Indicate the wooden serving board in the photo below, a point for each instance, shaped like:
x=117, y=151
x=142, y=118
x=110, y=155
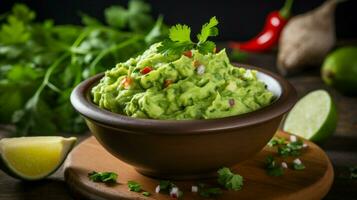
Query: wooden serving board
x=311, y=183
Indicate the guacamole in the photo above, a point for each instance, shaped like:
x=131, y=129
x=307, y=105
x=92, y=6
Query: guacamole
x=188, y=86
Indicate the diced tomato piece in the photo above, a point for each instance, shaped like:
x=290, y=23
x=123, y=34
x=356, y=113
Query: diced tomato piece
x=126, y=82
x=146, y=70
x=167, y=83
x=188, y=54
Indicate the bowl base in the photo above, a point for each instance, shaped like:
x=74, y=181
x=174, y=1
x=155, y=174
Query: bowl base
x=170, y=176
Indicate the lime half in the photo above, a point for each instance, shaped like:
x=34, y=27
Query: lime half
x=33, y=158
x=314, y=117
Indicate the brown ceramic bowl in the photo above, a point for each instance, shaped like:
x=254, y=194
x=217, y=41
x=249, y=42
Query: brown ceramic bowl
x=185, y=149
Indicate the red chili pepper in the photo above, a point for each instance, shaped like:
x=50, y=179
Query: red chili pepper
x=270, y=34
x=146, y=70
x=188, y=54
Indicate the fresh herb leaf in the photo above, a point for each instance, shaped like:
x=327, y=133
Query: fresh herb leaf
x=180, y=33
x=208, y=29
x=134, y=186
x=105, y=177
x=180, y=39
x=136, y=17
x=298, y=166
x=209, y=192
x=229, y=180
x=145, y=193
x=166, y=186
x=273, y=169
x=276, y=141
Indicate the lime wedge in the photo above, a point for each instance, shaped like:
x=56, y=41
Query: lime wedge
x=314, y=117
x=33, y=158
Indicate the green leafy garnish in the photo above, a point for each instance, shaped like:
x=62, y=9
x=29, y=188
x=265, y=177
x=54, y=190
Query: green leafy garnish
x=166, y=186
x=229, y=180
x=41, y=63
x=272, y=168
x=299, y=166
x=209, y=192
x=276, y=141
x=180, y=39
x=285, y=148
x=145, y=193
x=105, y=177
x=134, y=186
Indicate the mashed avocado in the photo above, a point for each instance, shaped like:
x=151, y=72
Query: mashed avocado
x=190, y=86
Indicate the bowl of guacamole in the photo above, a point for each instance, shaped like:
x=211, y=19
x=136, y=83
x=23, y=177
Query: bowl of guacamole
x=183, y=114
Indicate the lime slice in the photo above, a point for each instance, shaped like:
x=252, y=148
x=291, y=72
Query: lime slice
x=314, y=117
x=33, y=158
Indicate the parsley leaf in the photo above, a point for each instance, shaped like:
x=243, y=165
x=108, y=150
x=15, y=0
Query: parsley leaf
x=134, y=186
x=229, y=180
x=105, y=177
x=208, y=29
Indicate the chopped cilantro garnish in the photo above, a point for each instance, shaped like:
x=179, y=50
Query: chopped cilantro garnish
x=105, y=177
x=272, y=168
x=276, y=141
x=286, y=148
x=180, y=39
x=298, y=166
x=134, y=186
x=145, y=193
x=208, y=192
x=166, y=186
x=229, y=180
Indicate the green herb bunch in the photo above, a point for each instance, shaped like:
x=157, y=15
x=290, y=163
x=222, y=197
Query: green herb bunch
x=40, y=62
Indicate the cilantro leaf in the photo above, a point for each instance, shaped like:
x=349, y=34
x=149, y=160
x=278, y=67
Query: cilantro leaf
x=180, y=39
x=136, y=17
x=272, y=168
x=298, y=166
x=134, y=186
x=145, y=193
x=206, y=47
x=208, y=29
x=116, y=16
x=180, y=33
x=105, y=177
x=166, y=186
x=14, y=32
x=229, y=180
x=209, y=192
x=23, y=13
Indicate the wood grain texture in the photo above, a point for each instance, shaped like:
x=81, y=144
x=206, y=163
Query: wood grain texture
x=312, y=183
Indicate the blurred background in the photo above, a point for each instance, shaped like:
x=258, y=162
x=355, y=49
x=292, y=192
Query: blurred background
x=239, y=19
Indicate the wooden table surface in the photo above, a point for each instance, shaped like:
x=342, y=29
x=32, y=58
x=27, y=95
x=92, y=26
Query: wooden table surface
x=341, y=148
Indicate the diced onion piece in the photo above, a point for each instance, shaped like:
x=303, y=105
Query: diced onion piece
x=194, y=188
x=201, y=69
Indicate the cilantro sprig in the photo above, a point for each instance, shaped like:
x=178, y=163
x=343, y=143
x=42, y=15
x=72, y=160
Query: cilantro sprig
x=229, y=180
x=104, y=177
x=180, y=39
